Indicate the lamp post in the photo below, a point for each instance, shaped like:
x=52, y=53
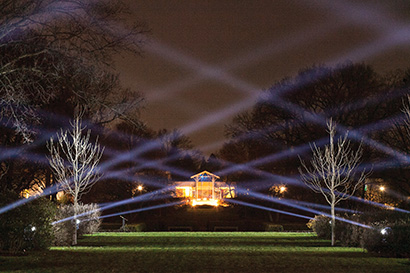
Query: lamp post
x=282, y=189
x=138, y=190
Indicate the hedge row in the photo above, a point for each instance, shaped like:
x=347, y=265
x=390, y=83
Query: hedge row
x=385, y=234
x=30, y=226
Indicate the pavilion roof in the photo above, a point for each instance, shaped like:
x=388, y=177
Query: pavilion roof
x=205, y=172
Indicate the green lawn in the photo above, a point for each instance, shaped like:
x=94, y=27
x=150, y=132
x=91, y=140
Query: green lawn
x=202, y=252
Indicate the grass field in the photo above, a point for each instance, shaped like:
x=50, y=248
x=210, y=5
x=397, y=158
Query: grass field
x=202, y=252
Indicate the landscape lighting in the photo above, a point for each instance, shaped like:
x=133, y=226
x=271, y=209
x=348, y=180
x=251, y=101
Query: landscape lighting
x=210, y=202
x=385, y=231
x=282, y=189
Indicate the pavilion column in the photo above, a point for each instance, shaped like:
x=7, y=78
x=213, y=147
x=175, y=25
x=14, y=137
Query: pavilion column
x=196, y=189
x=213, y=188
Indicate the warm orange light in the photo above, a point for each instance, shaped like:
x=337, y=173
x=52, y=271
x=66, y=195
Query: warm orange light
x=60, y=195
x=183, y=192
x=140, y=188
x=227, y=192
x=382, y=188
x=210, y=202
x=387, y=206
x=25, y=193
x=282, y=189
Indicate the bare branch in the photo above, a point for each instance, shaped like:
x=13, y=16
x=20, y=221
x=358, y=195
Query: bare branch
x=406, y=111
x=35, y=35
x=333, y=170
x=74, y=160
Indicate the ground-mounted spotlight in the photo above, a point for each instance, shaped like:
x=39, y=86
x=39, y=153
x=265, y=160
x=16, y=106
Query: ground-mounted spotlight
x=29, y=232
x=385, y=231
x=77, y=223
x=30, y=229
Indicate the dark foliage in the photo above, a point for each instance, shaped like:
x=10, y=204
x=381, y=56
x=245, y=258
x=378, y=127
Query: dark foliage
x=387, y=232
x=26, y=227
x=292, y=114
x=321, y=226
x=89, y=222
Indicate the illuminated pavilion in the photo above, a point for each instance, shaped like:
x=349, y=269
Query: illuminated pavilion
x=204, y=189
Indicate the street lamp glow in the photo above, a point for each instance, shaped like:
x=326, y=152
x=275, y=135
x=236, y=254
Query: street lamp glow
x=382, y=188
x=282, y=189
x=140, y=188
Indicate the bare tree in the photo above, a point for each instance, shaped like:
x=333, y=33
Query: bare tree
x=3, y=169
x=74, y=160
x=280, y=122
x=333, y=171
x=406, y=110
x=36, y=34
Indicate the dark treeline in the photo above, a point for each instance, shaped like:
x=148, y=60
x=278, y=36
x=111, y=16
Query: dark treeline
x=293, y=112
x=56, y=62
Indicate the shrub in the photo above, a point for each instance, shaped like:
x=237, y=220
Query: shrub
x=321, y=225
x=394, y=243
x=350, y=234
x=63, y=231
x=136, y=227
x=27, y=226
x=89, y=222
x=295, y=227
x=273, y=227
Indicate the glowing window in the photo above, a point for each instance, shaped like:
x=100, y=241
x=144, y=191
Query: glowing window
x=205, y=190
x=227, y=192
x=204, y=177
x=183, y=192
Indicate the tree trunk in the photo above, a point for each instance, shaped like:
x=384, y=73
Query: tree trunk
x=333, y=223
x=53, y=196
x=75, y=222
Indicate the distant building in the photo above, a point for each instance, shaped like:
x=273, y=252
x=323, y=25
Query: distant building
x=204, y=189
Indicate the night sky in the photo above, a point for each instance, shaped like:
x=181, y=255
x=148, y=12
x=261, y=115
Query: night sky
x=206, y=61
